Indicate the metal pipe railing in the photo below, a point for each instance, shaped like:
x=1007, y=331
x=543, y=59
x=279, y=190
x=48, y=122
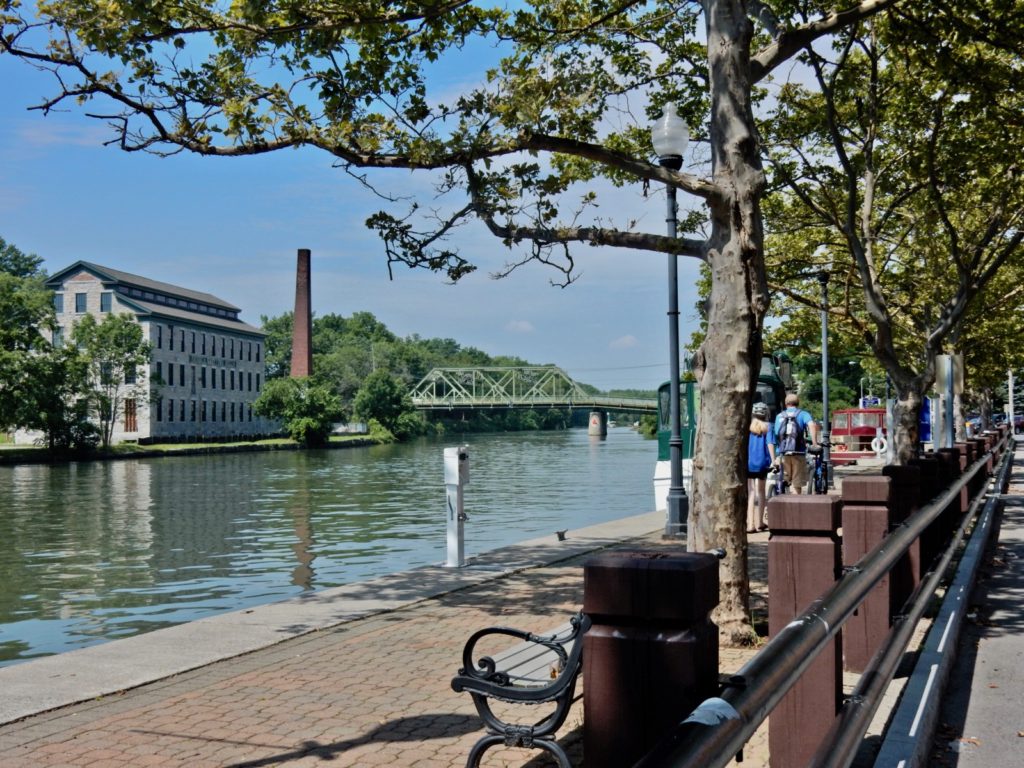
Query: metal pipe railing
x=839, y=747
x=718, y=728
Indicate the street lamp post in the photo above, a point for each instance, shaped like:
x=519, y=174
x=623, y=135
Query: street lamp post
x=826, y=455
x=670, y=137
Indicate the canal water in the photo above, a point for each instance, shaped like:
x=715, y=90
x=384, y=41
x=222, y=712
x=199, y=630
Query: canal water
x=95, y=551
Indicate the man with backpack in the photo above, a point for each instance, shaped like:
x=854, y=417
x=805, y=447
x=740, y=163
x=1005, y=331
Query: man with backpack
x=791, y=428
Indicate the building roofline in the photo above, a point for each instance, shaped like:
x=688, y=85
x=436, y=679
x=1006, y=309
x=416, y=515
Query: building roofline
x=187, y=316
x=117, y=276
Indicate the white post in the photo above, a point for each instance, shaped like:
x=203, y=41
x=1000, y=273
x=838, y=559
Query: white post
x=456, y=476
x=1012, y=430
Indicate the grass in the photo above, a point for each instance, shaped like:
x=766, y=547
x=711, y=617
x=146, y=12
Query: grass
x=34, y=452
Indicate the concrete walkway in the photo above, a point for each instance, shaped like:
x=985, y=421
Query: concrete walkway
x=982, y=723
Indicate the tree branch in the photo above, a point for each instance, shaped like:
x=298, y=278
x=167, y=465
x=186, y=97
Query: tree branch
x=792, y=40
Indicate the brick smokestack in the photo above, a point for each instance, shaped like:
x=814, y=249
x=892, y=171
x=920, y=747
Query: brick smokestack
x=302, y=326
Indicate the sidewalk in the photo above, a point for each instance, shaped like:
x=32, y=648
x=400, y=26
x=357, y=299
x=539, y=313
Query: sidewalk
x=981, y=722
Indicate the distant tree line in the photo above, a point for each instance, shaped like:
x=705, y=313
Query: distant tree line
x=73, y=390
x=364, y=372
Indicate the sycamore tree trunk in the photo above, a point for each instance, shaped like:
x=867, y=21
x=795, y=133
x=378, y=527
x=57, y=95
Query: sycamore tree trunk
x=959, y=418
x=906, y=414
x=738, y=302
x=985, y=408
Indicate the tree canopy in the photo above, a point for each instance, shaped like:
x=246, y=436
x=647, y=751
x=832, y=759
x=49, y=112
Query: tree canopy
x=115, y=352
x=898, y=174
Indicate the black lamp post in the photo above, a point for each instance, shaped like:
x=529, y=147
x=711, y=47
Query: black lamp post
x=670, y=137
x=826, y=454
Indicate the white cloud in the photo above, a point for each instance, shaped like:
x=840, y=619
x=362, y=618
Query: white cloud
x=623, y=342
x=519, y=326
x=63, y=132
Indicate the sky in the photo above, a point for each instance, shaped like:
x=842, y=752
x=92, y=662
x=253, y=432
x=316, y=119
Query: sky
x=232, y=226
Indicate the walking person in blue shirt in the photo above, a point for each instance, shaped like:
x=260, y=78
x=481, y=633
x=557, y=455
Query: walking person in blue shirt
x=760, y=457
x=791, y=428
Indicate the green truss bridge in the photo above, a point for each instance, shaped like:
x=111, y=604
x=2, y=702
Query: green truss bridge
x=530, y=387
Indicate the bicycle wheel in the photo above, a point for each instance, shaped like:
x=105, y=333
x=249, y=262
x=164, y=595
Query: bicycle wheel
x=820, y=483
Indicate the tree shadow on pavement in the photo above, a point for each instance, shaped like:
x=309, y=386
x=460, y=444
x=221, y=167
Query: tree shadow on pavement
x=411, y=729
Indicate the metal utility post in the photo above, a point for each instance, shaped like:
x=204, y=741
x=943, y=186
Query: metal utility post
x=670, y=137
x=1010, y=392
x=456, y=476
x=949, y=430
x=826, y=453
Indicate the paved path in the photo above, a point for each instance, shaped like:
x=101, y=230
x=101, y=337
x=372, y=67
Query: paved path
x=982, y=720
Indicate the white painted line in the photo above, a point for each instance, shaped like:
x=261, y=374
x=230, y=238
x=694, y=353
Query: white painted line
x=945, y=633
x=924, y=700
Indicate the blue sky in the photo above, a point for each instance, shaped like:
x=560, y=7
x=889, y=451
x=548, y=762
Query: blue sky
x=231, y=227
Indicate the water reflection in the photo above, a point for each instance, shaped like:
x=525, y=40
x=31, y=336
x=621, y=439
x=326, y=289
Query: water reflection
x=299, y=509
x=94, y=551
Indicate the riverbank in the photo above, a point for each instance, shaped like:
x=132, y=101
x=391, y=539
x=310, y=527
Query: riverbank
x=19, y=454
x=92, y=673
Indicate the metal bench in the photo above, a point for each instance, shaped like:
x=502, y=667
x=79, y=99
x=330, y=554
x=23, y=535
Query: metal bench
x=541, y=669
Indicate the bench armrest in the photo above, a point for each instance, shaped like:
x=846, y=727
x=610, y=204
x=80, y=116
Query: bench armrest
x=483, y=677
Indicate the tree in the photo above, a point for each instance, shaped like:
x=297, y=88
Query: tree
x=525, y=148
x=14, y=261
x=901, y=178
x=26, y=311
x=383, y=398
x=278, y=344
x=307, y=410
x=114, y=351
x=56, y=401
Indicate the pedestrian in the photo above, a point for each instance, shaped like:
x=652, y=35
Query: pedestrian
x=791, y=428
x=760, y=458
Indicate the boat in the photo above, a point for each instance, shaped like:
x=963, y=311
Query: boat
x=857, y=432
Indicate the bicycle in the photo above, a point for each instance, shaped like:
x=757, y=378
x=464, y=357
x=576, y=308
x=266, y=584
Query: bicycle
x=778, y=484
x=817, y=482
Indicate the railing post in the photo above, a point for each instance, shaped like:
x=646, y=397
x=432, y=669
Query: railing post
x=803, y=562
x=867, y=516
x=930, y=485
x=651, y=654
x=906, y=493
x=980, y=447
x=990, y=440
x=958, y=506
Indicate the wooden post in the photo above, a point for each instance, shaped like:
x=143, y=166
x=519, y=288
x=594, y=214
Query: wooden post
x=906, y=491
x=803, y=561
x=651, y=654
x=867, y=517
x=930, y=485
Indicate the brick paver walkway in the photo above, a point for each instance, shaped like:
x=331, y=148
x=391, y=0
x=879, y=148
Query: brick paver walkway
x=371, y=692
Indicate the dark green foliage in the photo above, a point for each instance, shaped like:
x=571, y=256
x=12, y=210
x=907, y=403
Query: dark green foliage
x=307, y=409
x=371, y=371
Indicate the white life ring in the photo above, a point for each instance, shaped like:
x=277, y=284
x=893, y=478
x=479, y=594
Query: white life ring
x=878, y=445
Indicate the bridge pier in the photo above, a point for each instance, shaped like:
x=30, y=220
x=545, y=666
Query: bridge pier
x=597, y=425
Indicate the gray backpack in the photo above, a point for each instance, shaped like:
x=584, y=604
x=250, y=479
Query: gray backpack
x=791, y=436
